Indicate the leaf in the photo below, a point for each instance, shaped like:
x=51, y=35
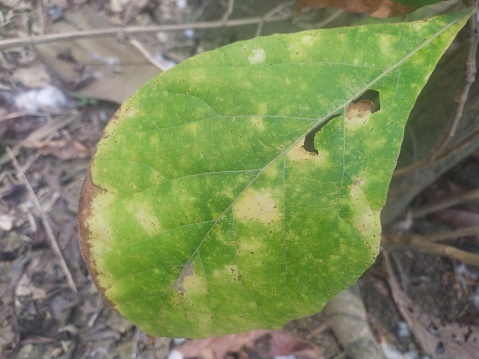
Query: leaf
x=280, y=344
x=376, y=8
x=418, y=3
x=283, y=344
x=203, y=214
x=218, y=347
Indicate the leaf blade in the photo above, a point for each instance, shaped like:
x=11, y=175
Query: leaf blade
x=217, y=220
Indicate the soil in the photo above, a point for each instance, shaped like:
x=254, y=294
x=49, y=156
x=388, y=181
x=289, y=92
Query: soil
x=53, y=109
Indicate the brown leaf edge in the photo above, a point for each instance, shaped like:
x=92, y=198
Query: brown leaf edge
x=88, y=192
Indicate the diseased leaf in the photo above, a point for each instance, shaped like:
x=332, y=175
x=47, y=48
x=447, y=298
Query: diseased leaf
x=235, y=192
x=376, y=8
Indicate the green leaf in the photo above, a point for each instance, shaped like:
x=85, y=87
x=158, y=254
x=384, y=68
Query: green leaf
x=203, y=215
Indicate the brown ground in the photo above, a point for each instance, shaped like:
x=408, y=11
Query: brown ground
x=49, y=306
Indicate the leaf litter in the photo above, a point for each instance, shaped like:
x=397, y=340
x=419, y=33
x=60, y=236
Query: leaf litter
x=279, y=342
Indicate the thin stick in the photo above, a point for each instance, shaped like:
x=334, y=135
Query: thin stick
x=111, y=32
x=146, y=54
x=418, y=244
x=435, y=237
x=425, y=339
x=44, y=219
x=445, y=203
x=473, y=136
x=228, y=12
x=335, y=14
x=269, y=15
x=457, y=233
x=41, y=20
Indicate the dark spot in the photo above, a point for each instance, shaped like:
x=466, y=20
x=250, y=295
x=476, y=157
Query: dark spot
x=432, y=328
x=468, y=334
x=439, y=348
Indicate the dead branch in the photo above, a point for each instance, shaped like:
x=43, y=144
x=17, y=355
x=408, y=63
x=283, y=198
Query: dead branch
x=427, y=245
x=44, y=219
x=132, y=30
x=445, y=203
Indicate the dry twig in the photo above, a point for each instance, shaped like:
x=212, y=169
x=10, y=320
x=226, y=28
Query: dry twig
x=427, y=341
x=473, y=136
x=44, y=219
x=269, y=15
x=228, y=12
x=445, y=203
x=426, y=244
x=124, y=31
x=135, y=43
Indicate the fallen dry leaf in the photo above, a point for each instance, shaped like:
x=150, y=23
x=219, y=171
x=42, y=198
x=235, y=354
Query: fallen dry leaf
x=217, y=347
x=376, y=8
x=63, y=149
x=280, y=343
x=283, y=344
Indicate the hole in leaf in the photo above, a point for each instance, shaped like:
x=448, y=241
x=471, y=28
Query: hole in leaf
x=369, y=100
x=371, y=96
x=309, y=138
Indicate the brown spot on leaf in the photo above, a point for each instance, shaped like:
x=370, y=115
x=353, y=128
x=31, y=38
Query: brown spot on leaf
x=88, y=192
x=188, y=271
